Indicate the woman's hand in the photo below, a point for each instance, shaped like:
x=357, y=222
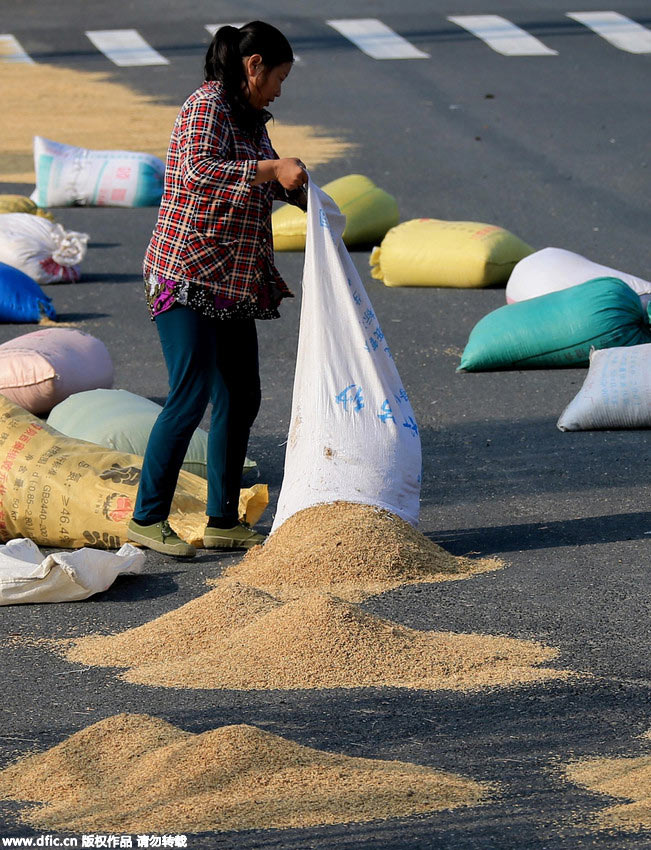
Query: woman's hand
x=290, y=173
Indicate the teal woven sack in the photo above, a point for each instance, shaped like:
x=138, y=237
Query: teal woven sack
x=558, y=329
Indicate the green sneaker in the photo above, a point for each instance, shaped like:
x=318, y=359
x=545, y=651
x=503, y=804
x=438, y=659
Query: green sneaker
x=160, y=538
x=240, y=536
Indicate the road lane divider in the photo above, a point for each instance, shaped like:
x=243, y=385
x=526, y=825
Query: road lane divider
x=376, y=39
x=11, y=50
x=502, y=35
x=125, y=47
x=616, y=29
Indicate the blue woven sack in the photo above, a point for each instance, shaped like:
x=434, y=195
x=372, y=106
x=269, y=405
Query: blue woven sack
x=21, y=298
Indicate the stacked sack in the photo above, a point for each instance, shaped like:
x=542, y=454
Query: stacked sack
x=41, y=248
x=565, y=310
x=40, y=369
x=553, y=269
x=558, y=329
x=34, y=250
x=120, y=420
x=62, y=492
x=33, y=244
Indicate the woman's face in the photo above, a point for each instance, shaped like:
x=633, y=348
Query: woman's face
x=264, y=85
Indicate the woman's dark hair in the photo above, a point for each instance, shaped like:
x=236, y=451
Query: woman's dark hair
x=224, y=64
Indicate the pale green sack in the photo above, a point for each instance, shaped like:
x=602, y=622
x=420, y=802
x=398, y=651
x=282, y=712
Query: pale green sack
x=120, y=420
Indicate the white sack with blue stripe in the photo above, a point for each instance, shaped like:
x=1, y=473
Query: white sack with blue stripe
x=353, y=435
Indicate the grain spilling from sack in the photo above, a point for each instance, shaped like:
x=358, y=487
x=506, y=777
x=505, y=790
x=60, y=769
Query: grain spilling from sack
x=618, y=777
x=139, y=774
x=317, y=641
x=351, y=550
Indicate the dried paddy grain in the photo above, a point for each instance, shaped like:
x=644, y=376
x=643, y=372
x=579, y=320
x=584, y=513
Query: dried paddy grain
x=91, y=110
x=618, y=777
x=316, y=641
x=351, y=550
x=192, y=629
x=139, y=774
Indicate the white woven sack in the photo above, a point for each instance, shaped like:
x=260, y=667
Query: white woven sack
x=27, y=577
x=616, y=392
x=353, y=435
x=553, y=269
x=40, y=248
x=71, y=176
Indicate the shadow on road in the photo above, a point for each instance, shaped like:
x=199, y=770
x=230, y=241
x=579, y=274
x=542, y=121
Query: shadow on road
x=544, y=535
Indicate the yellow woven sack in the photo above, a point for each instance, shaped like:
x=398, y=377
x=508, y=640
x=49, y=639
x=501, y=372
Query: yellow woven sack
x=369, y=212
x=67, y=493
x=21, y=204
x=433, y=252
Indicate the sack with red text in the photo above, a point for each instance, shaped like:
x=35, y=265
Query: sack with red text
x=62, y=492
x=71, y=176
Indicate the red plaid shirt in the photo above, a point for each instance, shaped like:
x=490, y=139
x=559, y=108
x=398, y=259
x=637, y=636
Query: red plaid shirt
x=214, y=225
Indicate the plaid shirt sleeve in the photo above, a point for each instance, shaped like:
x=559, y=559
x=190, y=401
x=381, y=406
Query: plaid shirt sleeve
x=202, y=152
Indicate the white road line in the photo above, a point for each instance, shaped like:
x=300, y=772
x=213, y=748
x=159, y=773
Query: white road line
x=617, y=29
x=12, y=51
x=212, y=28
x=376, y=39
x=125, y=47
x=502, y=36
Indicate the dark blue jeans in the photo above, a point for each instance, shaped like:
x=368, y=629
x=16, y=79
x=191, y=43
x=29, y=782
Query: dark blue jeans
x=207, y=360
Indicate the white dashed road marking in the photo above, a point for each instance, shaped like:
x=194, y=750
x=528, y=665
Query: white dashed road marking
x=376, y=39
x=617, y=29
x=125, y=47
x=502, y=36
x=11, y=50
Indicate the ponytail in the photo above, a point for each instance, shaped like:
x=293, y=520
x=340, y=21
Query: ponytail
x=224, y=64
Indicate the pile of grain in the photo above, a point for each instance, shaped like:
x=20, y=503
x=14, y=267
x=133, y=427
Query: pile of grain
x=351, y=550
x=618, y=777
x=186, y=631
x=138, y=774
x=316, y=641
x=103, y=114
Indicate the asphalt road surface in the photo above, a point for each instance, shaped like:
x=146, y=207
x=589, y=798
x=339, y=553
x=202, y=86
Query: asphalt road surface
x=553, y=146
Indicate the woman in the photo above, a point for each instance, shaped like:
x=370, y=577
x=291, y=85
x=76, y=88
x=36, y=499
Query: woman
x=209, y=274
